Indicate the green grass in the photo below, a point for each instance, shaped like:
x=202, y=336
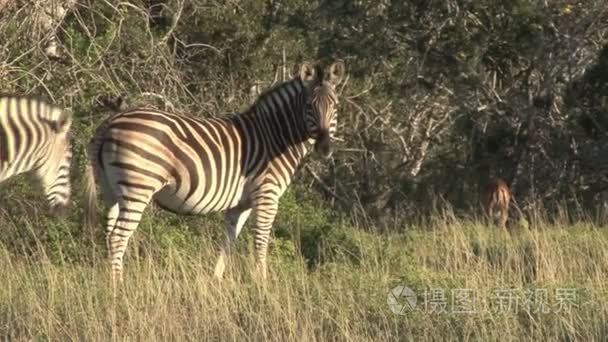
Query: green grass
x=169, y=293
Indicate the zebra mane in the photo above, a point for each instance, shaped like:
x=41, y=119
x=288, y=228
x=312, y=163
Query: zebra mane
x=56, y=117
x=60, y=123
x=326, y=90
x=263, y=97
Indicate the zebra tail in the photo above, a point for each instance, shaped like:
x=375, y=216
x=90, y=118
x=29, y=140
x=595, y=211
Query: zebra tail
x=90, y=208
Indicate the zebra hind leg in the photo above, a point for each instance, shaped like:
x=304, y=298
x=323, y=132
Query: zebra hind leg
x=234, y=220
x=111, y=218
x=128, y=212
x=504, y=215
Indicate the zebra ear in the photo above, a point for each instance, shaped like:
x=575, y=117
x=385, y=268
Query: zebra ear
x=307, y=72
x=335, y=73
x=63, y=123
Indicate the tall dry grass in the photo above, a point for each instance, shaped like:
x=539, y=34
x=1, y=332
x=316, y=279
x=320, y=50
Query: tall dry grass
x=169, y=293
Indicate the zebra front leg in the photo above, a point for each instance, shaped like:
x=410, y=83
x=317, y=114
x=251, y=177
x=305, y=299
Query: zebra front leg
x=56, y=187
x=265, y=213
x=234, y=220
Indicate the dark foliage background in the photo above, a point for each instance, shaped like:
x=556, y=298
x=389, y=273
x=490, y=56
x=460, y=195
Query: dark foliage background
x=440, y=95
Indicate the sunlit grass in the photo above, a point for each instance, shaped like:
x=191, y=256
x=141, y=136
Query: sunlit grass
x=169, y=293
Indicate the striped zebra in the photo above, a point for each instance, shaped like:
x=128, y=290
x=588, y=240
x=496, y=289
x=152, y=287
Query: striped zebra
x=238, y=163
x=35, y=137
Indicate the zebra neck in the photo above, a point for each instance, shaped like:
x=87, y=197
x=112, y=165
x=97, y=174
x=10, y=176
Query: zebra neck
x=278, y=116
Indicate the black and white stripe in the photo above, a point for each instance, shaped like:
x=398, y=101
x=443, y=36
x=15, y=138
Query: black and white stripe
x=236, y=163
x=35, y=137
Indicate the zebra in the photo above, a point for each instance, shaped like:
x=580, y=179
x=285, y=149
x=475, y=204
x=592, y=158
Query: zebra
x=35, y=137
x=236, y=163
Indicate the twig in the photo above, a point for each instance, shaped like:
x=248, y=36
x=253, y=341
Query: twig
x=174, y=23
x=167, y=103
x=325, y=186
x=343, y=85
x=358, y=150
x=365, y=91
x=284, y=65
x=219, y=52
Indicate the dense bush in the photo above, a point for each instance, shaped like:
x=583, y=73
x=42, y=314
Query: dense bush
x=439, y=95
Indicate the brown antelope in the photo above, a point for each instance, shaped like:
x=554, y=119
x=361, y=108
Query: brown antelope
x=495, y=199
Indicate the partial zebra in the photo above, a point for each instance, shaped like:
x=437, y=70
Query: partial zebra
x=35, y=137
x=238, y=163
x=495, y=199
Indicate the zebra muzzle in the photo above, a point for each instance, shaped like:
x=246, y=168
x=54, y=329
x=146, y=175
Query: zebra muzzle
x=323, y=144
x=58, y=210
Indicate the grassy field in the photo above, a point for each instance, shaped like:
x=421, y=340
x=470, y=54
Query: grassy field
x=470, y=282
x=331, y=277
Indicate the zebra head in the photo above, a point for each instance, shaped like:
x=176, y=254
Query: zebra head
x=321, y=108
x=55, y=170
